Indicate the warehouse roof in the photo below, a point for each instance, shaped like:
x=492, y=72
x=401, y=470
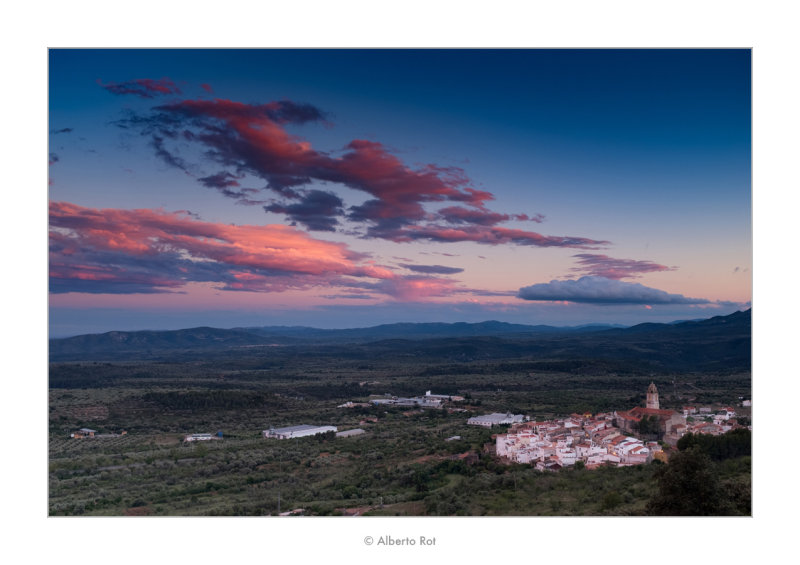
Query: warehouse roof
x=292, y=429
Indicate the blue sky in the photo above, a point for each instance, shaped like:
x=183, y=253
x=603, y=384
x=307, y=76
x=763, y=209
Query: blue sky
x=502, y=169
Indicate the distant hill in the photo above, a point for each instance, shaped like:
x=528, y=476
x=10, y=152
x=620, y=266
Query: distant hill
x=721, y=343
x=113, y=344
x=727, y=324
x=418, y=331
x=150, y=342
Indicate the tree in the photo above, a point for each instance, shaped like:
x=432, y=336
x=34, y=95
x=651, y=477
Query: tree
x=649, y=426
x=688, y=486
x=735, y=443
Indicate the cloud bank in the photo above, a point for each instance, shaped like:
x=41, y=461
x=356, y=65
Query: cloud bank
x=601, y=290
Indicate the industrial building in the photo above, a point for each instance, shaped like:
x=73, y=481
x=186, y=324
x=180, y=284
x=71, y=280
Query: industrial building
x=496, y=419
x=297, y=431
x=350, y=433
x=201, y=437
x=83, y=432
x=415, y=402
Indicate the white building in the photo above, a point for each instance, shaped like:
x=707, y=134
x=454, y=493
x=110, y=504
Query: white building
x=199, y=437
x=349, y=433
x=566, y=456
x=417, y=401
x=448, y=397
x=496, y=419
x=297, y=431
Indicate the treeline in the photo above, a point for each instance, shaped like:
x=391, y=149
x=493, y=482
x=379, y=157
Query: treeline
x=735, y=443
x=582, y=366
x=709, y=476
x=211, y=399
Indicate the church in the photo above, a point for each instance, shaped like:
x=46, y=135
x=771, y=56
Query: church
x=665, y=424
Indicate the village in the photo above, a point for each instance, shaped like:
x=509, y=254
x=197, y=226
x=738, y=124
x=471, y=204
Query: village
x=619, y=438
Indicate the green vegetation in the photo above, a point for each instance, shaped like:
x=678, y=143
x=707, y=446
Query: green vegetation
x=402, y=465
x=736, y=443
x=691, y=484
x=709, y=476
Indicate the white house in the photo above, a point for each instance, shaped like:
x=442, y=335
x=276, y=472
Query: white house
x=566, y=456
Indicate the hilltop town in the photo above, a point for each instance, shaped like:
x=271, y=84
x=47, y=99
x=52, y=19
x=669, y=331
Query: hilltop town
x=620, y=438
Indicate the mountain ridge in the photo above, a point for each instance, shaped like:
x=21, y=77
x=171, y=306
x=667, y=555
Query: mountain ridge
x=457, y=340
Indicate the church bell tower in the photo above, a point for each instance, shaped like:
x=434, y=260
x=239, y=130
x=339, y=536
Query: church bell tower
x=652, y=396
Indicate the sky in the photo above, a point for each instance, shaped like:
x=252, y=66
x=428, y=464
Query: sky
x=349, y=188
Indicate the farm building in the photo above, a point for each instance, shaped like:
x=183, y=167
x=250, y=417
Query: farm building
x=297, y=431
x=417, y=401
x=83, y=432
x=496, y=419
x=199, y=437
x=448, y=397
x=349, y=433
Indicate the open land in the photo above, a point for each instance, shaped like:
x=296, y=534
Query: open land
x=406, y=462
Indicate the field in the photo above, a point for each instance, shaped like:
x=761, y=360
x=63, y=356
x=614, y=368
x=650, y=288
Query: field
x=402, y=465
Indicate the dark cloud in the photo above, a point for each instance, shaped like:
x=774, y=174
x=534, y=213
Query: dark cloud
x=166, y=155
x=481, y=216
x=52, y=159
x=62, y=130
x=732, y=304
x=238, y=115
x=433, y=269
x=489, y=236
x=220, y=181
x=600, y=290
x=144, y=87
x=228, y=185
x=317, y=210
x=610, y=268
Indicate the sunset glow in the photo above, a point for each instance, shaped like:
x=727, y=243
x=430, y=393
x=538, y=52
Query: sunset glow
x=338, y=188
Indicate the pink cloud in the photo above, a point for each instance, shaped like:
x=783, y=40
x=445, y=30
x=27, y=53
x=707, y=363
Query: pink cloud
x=157, y=249
x=252, y=139
x=113, y=251
x=416, y=288
x=611, y=268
